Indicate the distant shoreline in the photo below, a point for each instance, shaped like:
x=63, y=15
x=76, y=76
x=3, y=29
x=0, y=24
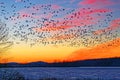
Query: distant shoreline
x=106, y=62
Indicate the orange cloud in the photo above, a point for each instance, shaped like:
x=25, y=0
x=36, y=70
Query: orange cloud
x=105, y=50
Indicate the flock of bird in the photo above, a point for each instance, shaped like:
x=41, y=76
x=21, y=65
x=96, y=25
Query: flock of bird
x=48, y=24
x=3, y=32
x=4, y=42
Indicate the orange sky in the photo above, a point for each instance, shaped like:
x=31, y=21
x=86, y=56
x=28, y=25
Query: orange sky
x=23, y=53
x=82, y=29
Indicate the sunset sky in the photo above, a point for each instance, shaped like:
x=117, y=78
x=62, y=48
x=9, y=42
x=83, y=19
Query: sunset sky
x=61, y=30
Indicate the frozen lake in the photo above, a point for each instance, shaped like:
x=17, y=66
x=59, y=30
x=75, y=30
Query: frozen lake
x=68, y=73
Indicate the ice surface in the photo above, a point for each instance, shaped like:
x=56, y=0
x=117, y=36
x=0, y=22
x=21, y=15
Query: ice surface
x=36, y=73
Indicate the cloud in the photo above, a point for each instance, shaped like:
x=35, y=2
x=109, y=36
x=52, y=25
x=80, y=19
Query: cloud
x=18, y=0
x=96, y=3
x=113, y=25
x=35, y=12
x=105, y=50
x=51, y=28
x=72, y=1
x=56, y=6
x=63, y=36
x=80, y=17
